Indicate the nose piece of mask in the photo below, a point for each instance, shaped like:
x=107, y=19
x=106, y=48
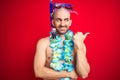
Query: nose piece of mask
x=54, y=33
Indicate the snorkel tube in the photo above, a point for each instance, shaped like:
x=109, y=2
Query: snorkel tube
x=53, y=32
x=51, y=10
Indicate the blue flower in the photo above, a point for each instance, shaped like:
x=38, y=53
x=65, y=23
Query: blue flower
x=65, y=79
x=57, y=39
x=69, y=43
x=69, y=35
x=57, y=66
x=55, y=60
x=67, y=57
x=57, y=54
x=70, y=67
x=56, y=45
x=67, y=49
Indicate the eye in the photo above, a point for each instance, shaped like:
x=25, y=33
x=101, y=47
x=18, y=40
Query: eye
x=66, y=20
x=58, y=20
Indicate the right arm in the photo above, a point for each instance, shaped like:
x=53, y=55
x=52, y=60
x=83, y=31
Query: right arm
x=39, y=64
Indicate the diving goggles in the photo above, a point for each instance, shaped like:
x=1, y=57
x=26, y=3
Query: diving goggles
x=60, y=5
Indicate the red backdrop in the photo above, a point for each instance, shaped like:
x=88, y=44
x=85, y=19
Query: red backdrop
x=24, y=22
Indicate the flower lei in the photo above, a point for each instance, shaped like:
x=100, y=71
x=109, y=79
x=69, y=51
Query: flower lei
x=62, y=55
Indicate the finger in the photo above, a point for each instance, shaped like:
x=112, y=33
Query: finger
x=74, y=36
x=85, y=35
x=76, y=33
x=74, y=40
x=80, y=33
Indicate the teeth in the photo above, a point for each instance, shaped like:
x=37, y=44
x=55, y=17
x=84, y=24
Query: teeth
x=63, y=28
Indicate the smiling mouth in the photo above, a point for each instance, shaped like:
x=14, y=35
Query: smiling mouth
x=63, y=28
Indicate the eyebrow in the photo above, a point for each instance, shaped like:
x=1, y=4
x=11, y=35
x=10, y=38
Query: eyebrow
x=66, y=19
x=61, y=19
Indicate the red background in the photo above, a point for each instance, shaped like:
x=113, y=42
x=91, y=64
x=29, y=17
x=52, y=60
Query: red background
x=24, y=22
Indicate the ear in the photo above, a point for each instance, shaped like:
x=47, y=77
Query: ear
x=70, y=22
x=52, y=22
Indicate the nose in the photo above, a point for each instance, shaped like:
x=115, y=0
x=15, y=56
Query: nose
x=62, y=23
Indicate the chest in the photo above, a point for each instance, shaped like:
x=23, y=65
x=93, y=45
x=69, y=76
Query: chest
x=49, y=56
x=49, y=53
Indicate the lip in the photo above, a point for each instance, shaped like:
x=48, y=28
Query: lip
x=62, y=28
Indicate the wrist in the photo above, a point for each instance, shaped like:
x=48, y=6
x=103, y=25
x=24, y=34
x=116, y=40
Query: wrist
x=79, y=46
x=80, y=50
x=66, y=74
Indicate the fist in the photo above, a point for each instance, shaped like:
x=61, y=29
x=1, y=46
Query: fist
x=79, y=38
x=73, y=75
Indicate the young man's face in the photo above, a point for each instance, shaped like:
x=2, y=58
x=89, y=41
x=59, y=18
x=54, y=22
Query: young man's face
x=61, y=21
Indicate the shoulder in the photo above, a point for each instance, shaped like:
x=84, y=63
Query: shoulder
x=43, y=41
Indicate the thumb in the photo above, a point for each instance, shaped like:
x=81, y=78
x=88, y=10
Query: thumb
x=85, y=35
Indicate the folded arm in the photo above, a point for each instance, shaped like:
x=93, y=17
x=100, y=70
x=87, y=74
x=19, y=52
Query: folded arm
x=40, y=70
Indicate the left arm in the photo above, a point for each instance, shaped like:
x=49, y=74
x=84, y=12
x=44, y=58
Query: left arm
x=82, y=65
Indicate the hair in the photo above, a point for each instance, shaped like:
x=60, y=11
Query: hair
x=53, y=13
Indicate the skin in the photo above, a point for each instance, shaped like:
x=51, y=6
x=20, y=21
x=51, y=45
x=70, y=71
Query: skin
x=43, y=55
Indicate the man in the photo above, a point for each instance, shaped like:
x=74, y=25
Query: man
x=44, y=55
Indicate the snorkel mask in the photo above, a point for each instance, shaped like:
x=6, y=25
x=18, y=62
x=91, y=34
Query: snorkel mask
x=60, y=5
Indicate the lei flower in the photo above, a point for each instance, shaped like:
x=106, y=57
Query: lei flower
x=62, y=55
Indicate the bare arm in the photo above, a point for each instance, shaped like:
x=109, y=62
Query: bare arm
x=82, y=66
x=39, y=64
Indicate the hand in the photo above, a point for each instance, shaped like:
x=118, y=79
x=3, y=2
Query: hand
x=73, y=75
x=79, y=38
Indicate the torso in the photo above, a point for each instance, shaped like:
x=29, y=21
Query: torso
x=49, y=56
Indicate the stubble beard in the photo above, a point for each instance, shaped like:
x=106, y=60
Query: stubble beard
x=61, y=33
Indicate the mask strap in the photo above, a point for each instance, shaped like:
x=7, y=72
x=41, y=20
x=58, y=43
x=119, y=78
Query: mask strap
x=74, y=12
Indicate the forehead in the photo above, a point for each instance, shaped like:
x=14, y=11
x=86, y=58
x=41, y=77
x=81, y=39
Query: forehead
x=62, y=13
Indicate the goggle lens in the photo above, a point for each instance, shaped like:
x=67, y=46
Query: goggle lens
x=58, y=6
